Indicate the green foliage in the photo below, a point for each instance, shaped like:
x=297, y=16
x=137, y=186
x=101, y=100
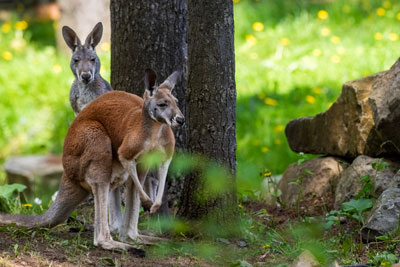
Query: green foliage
x=8, y=201
x=7, y=190
x=384, y=259
x=353, y=209
x=356, y=207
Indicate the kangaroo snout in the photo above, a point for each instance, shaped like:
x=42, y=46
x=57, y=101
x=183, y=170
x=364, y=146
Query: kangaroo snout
x=180, y=120
x=86, y=77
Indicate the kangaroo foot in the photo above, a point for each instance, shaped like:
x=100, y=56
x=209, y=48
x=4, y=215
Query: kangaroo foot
x=112, y=245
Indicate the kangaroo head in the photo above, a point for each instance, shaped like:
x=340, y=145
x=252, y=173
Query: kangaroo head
x=159, y=103
x=85, y=63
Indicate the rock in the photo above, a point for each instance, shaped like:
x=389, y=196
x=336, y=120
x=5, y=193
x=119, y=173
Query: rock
x=242, y=244
x=34, y=170
x=342, y=130
x=362, y=121
x=384, y=101
x=305, y=259
x=314, y=180
x=384, y=216
x=349, y=183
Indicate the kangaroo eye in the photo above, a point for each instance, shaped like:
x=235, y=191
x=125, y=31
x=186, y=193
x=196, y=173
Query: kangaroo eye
x=162, y=104
x=76, y=60
x=93, y=59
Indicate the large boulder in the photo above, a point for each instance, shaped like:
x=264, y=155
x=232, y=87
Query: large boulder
x=385, y=102
x=349, y=184
x=362, y=121
x=311, y=183
x=384, y=216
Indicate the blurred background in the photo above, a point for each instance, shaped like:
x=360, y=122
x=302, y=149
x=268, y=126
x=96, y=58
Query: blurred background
x=292, y=58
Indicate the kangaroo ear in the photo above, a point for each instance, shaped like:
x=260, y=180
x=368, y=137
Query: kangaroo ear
x=170, y=82
x=71, y=38
x=94, y=37
x=150, y=82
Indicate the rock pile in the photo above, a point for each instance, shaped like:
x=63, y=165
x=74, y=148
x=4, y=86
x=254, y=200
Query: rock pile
x=359, y=131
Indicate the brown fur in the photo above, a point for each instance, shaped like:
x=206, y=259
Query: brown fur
x=97, y=136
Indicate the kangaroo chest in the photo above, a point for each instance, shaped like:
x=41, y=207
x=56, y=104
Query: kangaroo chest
x=85, y=96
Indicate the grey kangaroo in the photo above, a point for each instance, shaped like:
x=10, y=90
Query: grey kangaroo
x=85, y=65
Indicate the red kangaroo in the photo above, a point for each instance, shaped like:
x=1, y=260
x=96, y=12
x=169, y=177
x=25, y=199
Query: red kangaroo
x=102, y=151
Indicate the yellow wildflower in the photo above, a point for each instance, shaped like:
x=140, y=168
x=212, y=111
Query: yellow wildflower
x=278, y=142
x=27, y=205
x=317, y=90
x=322, y=14
x=316, y=52
x=7, y=55
x=240, y=206
x=381, y=12
x=266, y=246
x=105, y=46
x=325, y=31
x=21, y=25
x=378, y=36
x=5, y=28
x=258, y=26
x=335, y=39
x=267, y=173
x=285, y=41
x=310, y=99
x=264, y=149
x=270, y=101
x=250, y=39
x=279, y=128
x=57, y=68
x=398, y=16
x=236, y=1
x=393, y=37
x=335, y=59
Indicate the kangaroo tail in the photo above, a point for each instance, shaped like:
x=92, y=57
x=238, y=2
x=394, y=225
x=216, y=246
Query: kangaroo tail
x=69, y=196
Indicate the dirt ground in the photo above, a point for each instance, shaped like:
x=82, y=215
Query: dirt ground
x=71, y=245
x=59, y=247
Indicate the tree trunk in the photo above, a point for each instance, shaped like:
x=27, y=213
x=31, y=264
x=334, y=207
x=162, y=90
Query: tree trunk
x=149, y=34
x=210, y=107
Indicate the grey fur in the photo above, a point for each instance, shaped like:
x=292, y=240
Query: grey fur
x=85, y=65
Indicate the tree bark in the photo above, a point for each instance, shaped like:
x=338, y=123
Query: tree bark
x=149, y=34
x=210, y=107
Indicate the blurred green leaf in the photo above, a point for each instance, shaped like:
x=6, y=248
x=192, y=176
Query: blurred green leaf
x=7, y=190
